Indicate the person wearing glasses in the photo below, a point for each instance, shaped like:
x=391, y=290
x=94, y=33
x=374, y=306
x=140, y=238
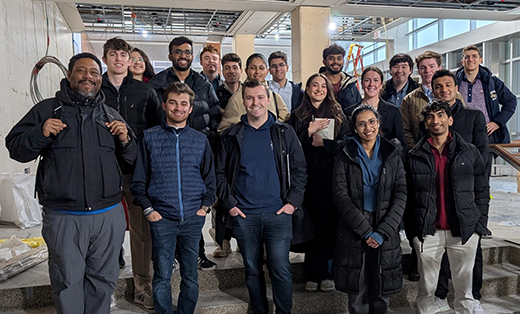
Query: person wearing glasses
x=139, y=105
x=291, y=93
x=369, y=190
x=206, y=113
x=140, y=65
x=391, y=121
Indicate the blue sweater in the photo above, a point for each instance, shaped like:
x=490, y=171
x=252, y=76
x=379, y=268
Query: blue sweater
x=258, y=184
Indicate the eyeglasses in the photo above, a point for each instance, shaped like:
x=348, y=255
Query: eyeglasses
x=363, y=124
x=135, y=60
x=276, y=66
x=180, y=52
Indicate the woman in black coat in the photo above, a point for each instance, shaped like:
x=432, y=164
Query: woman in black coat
x=369, y=189
x=318, y=113
x=391, y=119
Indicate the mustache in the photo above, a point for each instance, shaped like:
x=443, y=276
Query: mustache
x=89, y=81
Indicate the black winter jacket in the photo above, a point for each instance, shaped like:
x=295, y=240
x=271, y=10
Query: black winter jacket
x=389, y=88
x=136, y=102
x=471, y=125
x=349, y=93
x=78, y=169
x=290, y=164
x=468, y=182
x=206, y=113
x=500, y=102
x=354, y=227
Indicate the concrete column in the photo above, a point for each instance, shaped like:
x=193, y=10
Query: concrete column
x=310, y=35
x=244, y=46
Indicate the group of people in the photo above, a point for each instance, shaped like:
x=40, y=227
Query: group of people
x=317, y=169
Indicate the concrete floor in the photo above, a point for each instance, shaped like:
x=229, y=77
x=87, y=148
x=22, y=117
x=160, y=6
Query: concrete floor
x=504, y=222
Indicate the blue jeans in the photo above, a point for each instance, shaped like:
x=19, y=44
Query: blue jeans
x=166, y=236
x=275, y=231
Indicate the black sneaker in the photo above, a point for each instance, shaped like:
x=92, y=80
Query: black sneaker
x=206, y=264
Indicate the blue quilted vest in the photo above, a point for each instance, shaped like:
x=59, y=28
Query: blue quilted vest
x=176, y=186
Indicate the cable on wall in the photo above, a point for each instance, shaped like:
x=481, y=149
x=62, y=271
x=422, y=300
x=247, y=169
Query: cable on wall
x=35, y=91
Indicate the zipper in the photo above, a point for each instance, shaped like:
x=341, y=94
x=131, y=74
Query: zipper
x=179, y=187
x=83, y=158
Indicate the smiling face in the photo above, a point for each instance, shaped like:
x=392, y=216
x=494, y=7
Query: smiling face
x=317, y=90
x=367, y=126
x=181, y=57
x=444, y=88
x=278, y=69
x=137, y=65
x=231, y=72
x=471, y=60
x=257, y=70
x=371, y=84
x=256, y=102
x=400, y=72
x=85, y=77
x=209, y=62
x=117, y=61
x=438, y=123
x=334, y=63
x=426, y=69
x=177, y=108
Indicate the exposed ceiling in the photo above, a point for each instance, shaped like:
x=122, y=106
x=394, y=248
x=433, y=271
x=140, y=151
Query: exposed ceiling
x=270, y=19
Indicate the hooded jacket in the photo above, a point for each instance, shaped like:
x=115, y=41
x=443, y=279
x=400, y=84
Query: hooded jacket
x=348, y=94
x=500, y=101
x=467, y=180
x=206, y=114
x=353, y=227
x=78, y=169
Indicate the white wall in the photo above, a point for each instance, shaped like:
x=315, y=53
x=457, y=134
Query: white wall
x=23, y=41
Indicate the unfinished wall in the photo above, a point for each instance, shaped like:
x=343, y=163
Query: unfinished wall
x=23, y=41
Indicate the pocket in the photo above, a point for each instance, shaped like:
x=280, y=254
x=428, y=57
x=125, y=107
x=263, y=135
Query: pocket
x=106, y=139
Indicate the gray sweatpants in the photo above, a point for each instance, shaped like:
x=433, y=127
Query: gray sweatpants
x=83, y=258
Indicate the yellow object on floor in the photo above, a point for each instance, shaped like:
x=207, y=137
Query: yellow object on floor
x=32, y=242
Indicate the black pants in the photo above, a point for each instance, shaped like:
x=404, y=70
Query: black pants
x=444, y=274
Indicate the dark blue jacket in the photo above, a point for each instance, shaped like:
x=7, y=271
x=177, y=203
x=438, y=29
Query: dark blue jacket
x=348, y=94
x=290, y=164
x=297, y=95
x=500, y=102
x=174, y=172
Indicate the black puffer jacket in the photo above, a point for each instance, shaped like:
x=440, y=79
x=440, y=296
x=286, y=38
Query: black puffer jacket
x=78, y=170
x=135, y=101
x=206, y=114
x=467, y=180
x=354, y=227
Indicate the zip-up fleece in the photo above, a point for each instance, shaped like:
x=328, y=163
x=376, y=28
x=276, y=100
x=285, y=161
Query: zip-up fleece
x=468, y=181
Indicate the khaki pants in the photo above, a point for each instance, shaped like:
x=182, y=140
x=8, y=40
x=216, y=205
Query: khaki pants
x=140, y=242
x=461, y=257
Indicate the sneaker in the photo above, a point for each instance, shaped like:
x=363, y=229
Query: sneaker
x=311, y=286
x=488, y=234
x=477, y=308
x=206, y=264
x=144, y=298
x=414, y=275
x=402, y=235
x=327, y=285
x=223, y=251
x=440, y=305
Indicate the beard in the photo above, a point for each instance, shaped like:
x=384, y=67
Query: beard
x=178, y=67
x=331, y=71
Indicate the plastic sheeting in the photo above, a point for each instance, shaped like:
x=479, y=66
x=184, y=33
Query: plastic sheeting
x=17, y=201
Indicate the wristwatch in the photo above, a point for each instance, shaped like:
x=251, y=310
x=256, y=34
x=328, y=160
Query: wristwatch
x=207, y=209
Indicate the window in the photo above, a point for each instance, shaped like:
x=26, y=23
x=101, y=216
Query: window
x=455, y=27
x=428, y=35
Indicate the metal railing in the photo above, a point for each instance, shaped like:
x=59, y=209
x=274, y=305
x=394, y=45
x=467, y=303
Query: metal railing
x=502, y=150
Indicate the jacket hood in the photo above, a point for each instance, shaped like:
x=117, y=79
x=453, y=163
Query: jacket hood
x=484, y=72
